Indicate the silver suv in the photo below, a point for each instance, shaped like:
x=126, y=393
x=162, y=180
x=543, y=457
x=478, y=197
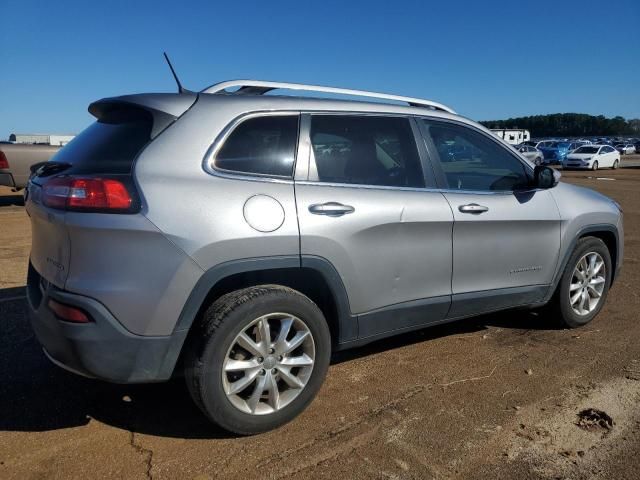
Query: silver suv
x=239, y=238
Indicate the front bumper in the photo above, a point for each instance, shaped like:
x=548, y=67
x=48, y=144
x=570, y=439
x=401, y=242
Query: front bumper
x=102, y=349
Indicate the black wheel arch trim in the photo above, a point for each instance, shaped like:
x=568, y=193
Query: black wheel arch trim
x=347, y=323
x=595, y=228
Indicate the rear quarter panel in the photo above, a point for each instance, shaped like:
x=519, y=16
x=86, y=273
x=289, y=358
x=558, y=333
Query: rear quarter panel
x=202, y=213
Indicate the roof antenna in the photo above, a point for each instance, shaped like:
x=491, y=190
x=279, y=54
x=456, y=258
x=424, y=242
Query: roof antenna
x=180, y=88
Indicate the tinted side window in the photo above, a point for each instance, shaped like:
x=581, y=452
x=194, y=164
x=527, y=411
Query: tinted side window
x=262, y=145
x=472, y=161
x=366, y=150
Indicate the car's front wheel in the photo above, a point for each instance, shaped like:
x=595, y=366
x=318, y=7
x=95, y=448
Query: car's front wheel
x=595, y=165
x=258, y=358
x=615, y=164
x=584, y=284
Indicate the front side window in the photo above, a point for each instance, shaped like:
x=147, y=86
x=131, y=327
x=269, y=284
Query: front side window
x=471, y=161
x=264, y=145
x=365, y=150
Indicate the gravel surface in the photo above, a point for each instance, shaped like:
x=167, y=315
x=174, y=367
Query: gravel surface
x=505, y=395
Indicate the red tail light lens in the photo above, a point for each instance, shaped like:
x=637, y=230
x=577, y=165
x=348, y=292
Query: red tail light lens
x=98, y=194
x=4, y=163
x=67, y=312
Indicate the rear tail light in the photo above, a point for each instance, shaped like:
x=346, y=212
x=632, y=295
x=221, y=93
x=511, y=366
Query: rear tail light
x=88, y=193
x=67, y=312
x=4, y=163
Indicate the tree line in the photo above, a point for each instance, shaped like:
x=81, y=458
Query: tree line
x=570, y=125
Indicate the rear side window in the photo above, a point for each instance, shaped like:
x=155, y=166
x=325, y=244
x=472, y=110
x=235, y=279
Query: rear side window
x=109, y=145
x=262, y=145
x=366, y=150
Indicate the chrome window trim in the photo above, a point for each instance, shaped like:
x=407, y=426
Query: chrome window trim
x=302, y=173
x=411, y=189
x=208, y=162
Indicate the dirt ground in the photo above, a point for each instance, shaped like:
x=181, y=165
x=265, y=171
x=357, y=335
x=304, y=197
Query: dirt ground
x=500, y=396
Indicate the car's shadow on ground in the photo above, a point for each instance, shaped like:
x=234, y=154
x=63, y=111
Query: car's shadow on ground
x=38, y=396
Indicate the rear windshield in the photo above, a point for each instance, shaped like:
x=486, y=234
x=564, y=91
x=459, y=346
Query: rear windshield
x=109, y=145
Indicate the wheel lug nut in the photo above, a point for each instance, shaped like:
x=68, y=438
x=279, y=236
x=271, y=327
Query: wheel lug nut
x=279, y=358
x=262, y=371
x=271, y=350
x=274, y=371
x=260, y=359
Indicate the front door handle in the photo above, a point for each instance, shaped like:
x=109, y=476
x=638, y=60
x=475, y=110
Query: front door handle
x=473, y=208
x=332, y=209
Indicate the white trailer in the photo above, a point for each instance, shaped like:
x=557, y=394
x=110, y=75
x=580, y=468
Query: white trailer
x=514, y=136
x=42, y=138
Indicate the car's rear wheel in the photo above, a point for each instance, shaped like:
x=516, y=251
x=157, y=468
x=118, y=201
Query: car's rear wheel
x=615, y=164
x=595, y=165
x=584, y=284
x=258, y=358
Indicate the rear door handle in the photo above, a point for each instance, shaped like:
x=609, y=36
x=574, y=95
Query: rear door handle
x=473, y=208
x=332, y=209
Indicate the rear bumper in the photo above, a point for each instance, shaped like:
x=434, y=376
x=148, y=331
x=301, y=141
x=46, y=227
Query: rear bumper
x=102, y=349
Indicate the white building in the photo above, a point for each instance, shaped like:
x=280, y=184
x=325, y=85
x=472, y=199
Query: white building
x=513, y=136
x=46, y=138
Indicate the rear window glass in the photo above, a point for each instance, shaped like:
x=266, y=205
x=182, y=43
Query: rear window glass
x=262, y=145
x=109, y=145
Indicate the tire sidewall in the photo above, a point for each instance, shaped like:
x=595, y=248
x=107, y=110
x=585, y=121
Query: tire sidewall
x=214, y=400
x=571, y=318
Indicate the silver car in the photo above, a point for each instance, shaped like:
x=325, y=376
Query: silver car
x=532, y=154
x=240, y=238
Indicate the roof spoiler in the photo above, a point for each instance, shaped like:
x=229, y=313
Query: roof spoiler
x=165, y=108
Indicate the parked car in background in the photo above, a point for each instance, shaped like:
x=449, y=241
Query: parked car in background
x=233, y=264
x=626, y=149
x=592, y=157
x=531, y=153
x=536, y=143
x=16, y=158
x=554, y=152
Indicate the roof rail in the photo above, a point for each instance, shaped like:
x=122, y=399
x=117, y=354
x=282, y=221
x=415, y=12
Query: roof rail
x=258, y=87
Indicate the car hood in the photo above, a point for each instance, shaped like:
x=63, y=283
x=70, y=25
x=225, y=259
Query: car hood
x=583, y=196
x=580, y=156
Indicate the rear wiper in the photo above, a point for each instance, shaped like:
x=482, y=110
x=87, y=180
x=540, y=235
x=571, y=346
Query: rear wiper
x=44, y=169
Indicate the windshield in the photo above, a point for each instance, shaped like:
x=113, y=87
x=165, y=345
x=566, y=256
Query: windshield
x=587, y=150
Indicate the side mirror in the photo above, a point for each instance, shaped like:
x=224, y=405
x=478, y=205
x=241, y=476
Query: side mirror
x=545, y=177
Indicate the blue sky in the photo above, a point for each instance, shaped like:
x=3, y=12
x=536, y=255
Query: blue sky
x=487, y=59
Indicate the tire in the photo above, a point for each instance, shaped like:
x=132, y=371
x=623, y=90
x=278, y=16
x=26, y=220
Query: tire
x=594, y=166
x=615, y=165
x=214, y=353
x=561, y=304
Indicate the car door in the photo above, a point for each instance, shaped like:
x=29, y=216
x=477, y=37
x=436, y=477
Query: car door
x=363, y=208
x=506, y=235
x=607, y=156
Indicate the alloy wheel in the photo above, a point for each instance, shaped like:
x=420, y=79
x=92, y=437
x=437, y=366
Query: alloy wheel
x=268, y=364
x=587, y=283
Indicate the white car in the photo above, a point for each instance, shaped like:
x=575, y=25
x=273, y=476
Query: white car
x=626, y=148
x=592, y=157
